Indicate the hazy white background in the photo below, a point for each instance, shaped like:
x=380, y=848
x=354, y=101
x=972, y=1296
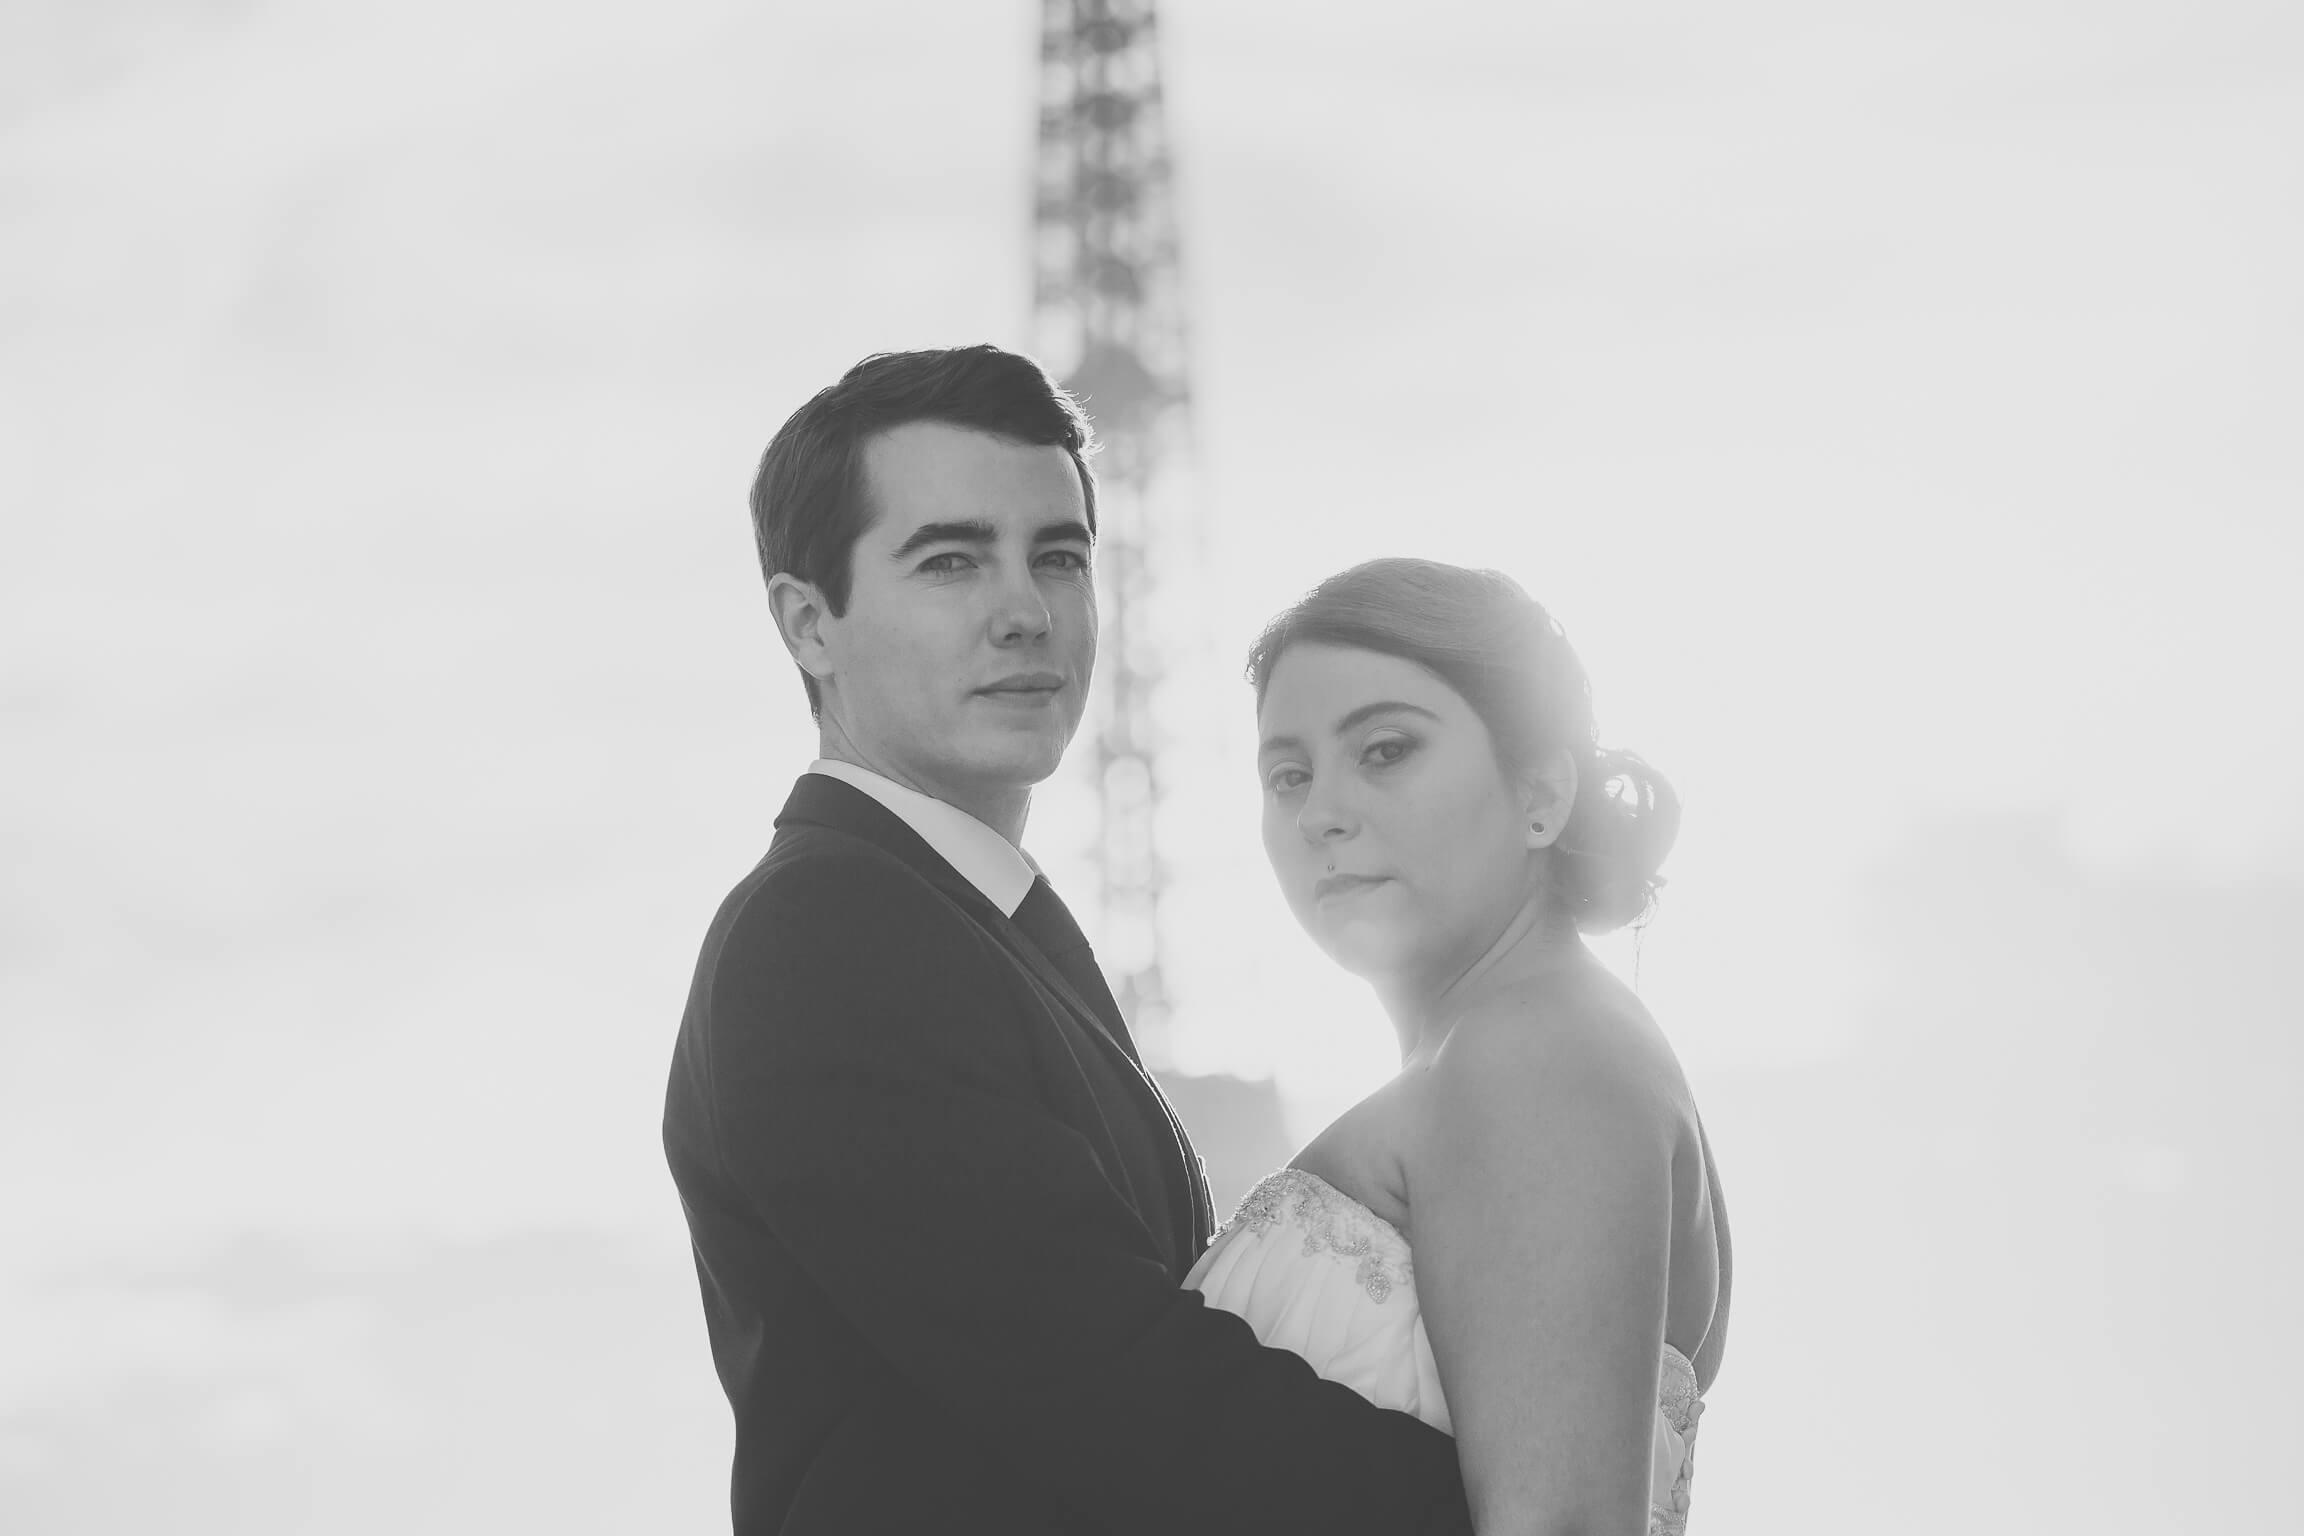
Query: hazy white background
x=1898, y=403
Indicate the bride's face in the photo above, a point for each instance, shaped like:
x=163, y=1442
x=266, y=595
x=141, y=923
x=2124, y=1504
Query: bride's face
x=1397, y=838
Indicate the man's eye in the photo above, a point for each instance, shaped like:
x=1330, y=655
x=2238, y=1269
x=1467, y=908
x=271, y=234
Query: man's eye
x=944, y=564
x=1067, y=559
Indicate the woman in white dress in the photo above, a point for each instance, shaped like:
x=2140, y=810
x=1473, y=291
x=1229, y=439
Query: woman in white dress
x=1444, y=824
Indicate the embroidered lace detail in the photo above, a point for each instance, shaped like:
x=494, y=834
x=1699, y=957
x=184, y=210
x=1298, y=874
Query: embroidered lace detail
x=1672, y=1519
x=1332, y=1222
x=1682, y=1407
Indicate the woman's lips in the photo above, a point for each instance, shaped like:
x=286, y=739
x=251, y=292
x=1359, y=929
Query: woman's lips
x=1344, y=885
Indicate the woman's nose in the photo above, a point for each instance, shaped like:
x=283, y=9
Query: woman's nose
x=1323, y=817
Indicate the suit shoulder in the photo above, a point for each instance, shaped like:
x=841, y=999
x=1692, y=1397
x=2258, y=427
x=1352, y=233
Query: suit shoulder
x=829, y=910
x=827, y=880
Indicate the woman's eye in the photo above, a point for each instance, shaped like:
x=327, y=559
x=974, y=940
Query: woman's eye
x=1282, y=780
x=1388, y=751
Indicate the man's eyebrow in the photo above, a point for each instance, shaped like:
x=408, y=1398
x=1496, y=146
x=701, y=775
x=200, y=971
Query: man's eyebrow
x=979, y=532
x=946, y=533
x=1358, y=716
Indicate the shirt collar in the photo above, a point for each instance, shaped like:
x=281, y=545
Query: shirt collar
x=986, y=860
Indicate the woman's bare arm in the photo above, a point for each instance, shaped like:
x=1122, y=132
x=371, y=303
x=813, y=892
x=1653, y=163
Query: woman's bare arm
x=1541, y=1201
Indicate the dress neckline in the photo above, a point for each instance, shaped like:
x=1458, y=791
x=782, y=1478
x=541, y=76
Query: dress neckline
x=1672, y=1356
x=1359, y=1205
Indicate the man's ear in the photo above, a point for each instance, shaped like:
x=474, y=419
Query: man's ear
x=1547, y=796
x=801, y=618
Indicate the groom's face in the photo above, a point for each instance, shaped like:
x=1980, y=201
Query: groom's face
x=962, y=661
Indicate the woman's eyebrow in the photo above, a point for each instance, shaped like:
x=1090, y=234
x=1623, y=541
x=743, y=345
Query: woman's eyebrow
x=1382, y=707
x=1358, y=716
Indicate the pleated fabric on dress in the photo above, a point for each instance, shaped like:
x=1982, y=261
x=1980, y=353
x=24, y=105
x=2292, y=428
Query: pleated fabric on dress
x=1316, y=1272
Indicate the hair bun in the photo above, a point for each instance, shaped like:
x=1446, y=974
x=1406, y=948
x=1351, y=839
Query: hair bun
x=1623, y=823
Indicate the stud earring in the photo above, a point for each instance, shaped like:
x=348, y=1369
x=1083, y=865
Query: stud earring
x=1536, y=826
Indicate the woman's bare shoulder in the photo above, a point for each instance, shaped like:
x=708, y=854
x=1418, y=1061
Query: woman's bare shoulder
x=1568, y=1033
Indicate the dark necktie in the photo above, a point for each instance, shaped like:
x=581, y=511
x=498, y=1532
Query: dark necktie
x=1049, y=924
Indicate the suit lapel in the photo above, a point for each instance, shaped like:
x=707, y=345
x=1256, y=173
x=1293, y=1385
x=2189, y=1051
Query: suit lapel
x=1059, y=980
x=1048, y=925
x=1194, y=1208
x=1080, y=985
x=1074, y=978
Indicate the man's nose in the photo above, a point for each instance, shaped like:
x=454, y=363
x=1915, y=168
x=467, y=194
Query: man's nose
x=1020, y=612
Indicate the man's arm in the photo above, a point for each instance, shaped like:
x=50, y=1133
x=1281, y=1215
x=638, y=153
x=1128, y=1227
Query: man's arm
x=871, y=1103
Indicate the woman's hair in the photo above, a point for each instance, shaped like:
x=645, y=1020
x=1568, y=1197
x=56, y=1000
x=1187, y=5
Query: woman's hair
x=1495, y=645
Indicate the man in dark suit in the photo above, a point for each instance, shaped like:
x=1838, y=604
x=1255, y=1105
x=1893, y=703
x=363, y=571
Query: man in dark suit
x=940, y=1213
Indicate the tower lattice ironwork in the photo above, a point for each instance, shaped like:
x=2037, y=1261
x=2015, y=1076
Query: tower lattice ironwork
x=1108, y=319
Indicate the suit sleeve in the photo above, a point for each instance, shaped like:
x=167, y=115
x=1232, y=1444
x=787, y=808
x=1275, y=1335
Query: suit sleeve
x=871, y=1103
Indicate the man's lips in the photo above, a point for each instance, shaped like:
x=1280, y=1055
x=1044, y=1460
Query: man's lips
x=1026, y=684
x=1340, y=885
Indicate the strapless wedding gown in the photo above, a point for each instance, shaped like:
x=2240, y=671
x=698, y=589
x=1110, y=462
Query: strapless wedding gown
x=1313, y=1270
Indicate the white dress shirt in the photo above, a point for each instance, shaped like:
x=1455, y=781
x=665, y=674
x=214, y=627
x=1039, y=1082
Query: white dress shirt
x=988, y=861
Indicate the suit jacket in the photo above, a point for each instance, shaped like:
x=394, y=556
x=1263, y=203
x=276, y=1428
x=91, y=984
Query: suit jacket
x=941, y=1218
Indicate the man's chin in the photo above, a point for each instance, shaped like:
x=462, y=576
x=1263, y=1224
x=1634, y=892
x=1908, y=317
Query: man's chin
x=1020, y=758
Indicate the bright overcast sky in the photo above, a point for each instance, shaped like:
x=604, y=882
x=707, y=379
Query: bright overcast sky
x=1898, y=404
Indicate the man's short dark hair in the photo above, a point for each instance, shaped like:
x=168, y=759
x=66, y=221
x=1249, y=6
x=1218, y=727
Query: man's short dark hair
x=809, y=499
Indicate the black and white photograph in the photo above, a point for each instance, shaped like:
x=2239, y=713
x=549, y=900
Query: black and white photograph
x=1059, y=767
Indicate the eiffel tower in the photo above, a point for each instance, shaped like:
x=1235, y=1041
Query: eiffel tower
x=1108, y=319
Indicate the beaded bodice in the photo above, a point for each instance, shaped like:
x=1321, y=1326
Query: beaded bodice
x=1315, y=1271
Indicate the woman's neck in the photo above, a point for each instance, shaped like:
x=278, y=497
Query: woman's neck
x=1536, y=942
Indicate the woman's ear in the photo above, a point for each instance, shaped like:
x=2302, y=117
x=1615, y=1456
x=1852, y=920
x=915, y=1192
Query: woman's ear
x=1547, y=795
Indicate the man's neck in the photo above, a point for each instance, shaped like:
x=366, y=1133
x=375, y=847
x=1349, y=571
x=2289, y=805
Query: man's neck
x=1004, y=809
